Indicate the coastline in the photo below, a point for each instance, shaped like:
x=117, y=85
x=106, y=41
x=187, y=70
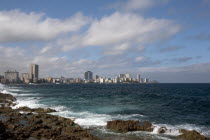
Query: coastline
x=25, y=123
x=17, y=120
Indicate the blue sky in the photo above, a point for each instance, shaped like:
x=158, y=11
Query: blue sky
x=166, y=40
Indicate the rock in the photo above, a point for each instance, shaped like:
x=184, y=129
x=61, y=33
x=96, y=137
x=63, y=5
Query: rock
x=37, y=110
x=4, y=134
x=130, y=125
x=7, y=97
x=25, y=109
x=5, y=109
x=41, y=126
x=162, y=130
x=42, y=110
x=191, y=135
x=2, y=127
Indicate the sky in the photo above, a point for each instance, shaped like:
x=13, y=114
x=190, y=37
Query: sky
x=164, y=40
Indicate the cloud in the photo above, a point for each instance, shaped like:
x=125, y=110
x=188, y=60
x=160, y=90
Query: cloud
x=17, y=26
x=171, y=48
x=13, y=58
x=179, y=74
x=134, y=5
x=140, y=59
x=183, y=59
x=121, y=32
x=201, y=36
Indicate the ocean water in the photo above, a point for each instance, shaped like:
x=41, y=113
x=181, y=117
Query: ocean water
x=175, y=106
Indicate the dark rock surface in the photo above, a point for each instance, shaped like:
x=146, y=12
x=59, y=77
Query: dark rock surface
x=37, y=110
x=41, y=126
x=191, y=135
x=130, y=125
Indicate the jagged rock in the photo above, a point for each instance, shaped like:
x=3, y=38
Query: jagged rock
x=41, y=126
x=37, y=110
x=7, y=97
x=130, y=125
x=191, y=135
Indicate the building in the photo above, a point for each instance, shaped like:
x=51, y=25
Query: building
x=127, y=75
x=88, y=75
x=1, y=78
x=97, y=77
x=25, y=78
x=121, y=75
x=78, y=80
x=34, y=73
x=12, y=76
x=102, y=80
x=146, y=80
x=139, y=78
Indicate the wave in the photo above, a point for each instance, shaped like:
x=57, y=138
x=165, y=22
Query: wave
x=1, y=87
x=89, y=119
x=29, y=102
x=173, y=130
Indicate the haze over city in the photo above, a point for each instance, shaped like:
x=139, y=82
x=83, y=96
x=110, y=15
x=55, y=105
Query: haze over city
x=166, y=40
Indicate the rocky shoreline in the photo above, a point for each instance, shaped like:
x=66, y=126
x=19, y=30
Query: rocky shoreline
x=36, y=124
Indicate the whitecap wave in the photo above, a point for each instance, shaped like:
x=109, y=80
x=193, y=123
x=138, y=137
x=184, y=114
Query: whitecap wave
x=1, y=87
x=173, y=130
x=29, y=102
x=8, y=92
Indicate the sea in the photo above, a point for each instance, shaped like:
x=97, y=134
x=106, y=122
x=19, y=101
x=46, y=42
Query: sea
x=174, y=106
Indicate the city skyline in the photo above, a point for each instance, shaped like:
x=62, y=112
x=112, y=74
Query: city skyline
x=166, y=40
x=12, y=77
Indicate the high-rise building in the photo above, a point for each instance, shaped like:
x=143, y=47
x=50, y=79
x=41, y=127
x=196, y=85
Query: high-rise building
x=12, y=76
x=97, y=77
x=34, y=73
x=139, y=78
x=88, y=75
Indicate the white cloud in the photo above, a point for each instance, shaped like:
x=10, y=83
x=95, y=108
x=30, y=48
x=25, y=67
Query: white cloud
x=133, y=5
x=140, y=59
x=120, y=32
x=117, y=50
x=19, y=26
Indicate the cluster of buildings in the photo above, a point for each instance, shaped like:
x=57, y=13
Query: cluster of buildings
x=121, y=78
x=13, y=77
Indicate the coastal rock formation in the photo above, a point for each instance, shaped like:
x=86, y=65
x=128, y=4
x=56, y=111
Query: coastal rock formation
x=37, y=110
x=191, y=135
x=29, y=126
x=6, y=100
x=130, y=125
x=45, y=126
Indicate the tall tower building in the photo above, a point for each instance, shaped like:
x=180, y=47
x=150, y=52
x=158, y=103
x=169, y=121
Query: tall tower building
x=34, y=73
x=139, y=78
x=88, y=75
